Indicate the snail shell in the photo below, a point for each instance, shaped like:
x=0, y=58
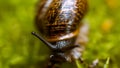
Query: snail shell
x=59, y=19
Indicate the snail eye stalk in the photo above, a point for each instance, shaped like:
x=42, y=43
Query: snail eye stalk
x=44, y=41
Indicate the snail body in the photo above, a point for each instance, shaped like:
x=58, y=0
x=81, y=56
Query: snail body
x=58, y=22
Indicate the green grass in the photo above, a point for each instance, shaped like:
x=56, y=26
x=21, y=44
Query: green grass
x=19, y=49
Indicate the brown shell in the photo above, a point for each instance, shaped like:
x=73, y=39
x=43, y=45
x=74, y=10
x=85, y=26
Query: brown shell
x=59, y=19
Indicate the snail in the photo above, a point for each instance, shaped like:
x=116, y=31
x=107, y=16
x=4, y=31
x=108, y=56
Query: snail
x=59, y=23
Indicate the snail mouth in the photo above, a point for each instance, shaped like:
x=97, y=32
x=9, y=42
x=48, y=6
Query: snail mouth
x=64, y=37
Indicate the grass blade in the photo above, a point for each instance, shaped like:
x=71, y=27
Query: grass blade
x=107, y=63
x=78, y=64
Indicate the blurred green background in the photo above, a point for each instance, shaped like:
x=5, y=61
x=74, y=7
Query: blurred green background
x=19, y=49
